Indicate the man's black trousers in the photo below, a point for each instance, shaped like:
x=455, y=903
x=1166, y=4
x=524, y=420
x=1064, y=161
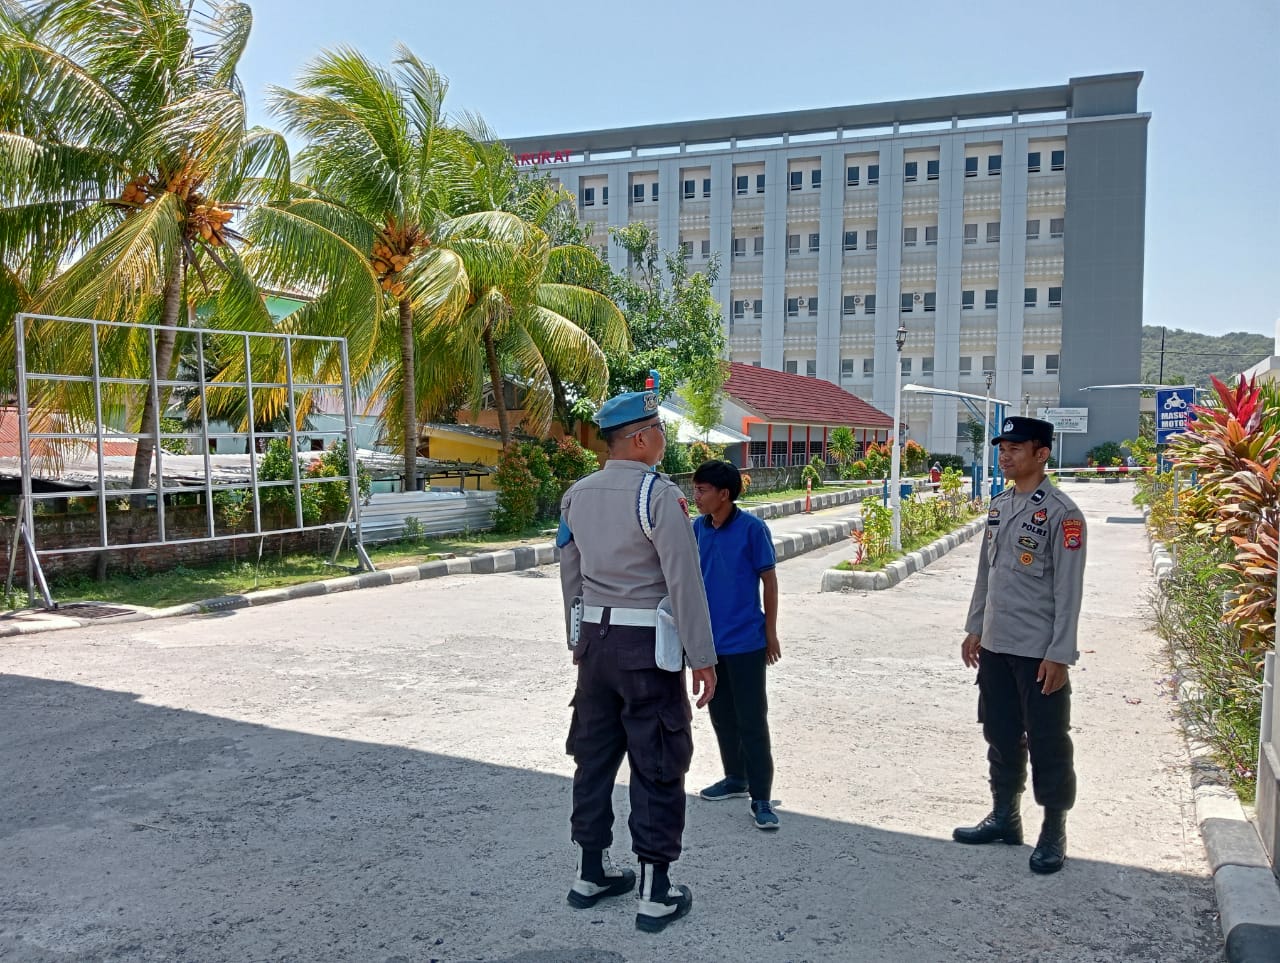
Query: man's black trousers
x=1016, y=718
x=740, y=715
x=626, y=705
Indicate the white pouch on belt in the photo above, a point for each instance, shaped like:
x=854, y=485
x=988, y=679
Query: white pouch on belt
x=668, y=652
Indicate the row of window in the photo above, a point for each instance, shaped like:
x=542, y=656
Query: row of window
x=848, y=366
x=926, y=300
x=871, y=239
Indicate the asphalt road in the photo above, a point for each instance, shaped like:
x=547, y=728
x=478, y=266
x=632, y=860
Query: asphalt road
x=379, y=775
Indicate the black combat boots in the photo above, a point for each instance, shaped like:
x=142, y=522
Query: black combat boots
x=598, y=879
x=660, y=903
x=1003, y=824
x=1051, y=848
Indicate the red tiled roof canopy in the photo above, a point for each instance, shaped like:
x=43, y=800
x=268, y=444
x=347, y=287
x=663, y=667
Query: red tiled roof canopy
x=10, y=445
x=779, y=396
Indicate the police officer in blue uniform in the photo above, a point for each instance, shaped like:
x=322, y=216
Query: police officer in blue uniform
x=627, y=547
x=1021, y=637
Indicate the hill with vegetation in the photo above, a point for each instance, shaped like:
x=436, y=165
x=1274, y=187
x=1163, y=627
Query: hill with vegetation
x=1191, y=357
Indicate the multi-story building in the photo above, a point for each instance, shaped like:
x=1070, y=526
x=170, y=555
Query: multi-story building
x=1004, y=230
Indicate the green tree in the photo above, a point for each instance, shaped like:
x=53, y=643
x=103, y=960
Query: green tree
x=842, y=445
x=124, y=158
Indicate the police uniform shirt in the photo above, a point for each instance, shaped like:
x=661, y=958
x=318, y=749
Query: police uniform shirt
x=609, y=559
x=1030, y=576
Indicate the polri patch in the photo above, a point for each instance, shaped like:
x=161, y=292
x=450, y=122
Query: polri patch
x=650, y=401
x=684, y=505
x=1041, y=516
x=1026, y=541
x=1035, y=529
x=1072, y=534
x=1026, y=558
x=993, y=517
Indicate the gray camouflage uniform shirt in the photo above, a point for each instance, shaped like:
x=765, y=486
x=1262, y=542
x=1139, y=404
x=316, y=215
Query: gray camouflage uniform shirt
x=1030, y=577
x=611, y=561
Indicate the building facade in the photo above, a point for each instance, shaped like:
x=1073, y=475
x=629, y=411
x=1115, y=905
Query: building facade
x=1004, y=230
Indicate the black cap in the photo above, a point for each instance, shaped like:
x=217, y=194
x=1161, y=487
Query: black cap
x=1017, y=428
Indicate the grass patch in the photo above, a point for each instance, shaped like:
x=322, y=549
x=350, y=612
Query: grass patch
x=182, y=584
x=908, y=546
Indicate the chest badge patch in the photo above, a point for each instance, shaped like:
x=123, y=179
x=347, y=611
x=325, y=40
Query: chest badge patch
x=1026, y=558
x=1041, y=516
x=1026, y=541
x=1072, y=534
x=993, y=517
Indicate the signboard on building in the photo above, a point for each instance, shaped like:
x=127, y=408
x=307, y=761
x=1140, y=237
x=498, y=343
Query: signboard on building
x=1172, y=407
x=1066, y=421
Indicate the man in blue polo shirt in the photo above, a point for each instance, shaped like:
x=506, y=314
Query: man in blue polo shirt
x=737, y=557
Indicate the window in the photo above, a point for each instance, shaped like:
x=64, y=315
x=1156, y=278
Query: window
x=811, y=369
x=908, y=237
x=971, y=167
x=1058, y=160
x=906, y=367
x=966, y=366
x=931, y=170
x=813, y=243
x=851, y=176
x=931, y=236
x=792, y=368
x=992, y=299
x=1028, y=364
x=873, y=237
x=966, y=300
x=1057, y=227
x=846, y=368
x=1055, y=297
x=706, y=248
x=739, y=310
x=911, y=171
x=1033, y=230
x=757, y=309
x=686, y=249
x=850, y=305
x=588, y=197
x=758, y=245
x=813, y=306
x=759, y=183
x=793, y=307
x=993, y=165
x=1051, y=364
x=907, y=303
x=1033, y=162
x=868, y=367
x=988, y=363
x=604, y=197
x=793, y=244
x=971, y=234
x=741, y=184
x=815, y=178
x=706, y=187
x=690, y=190
x=873, y=173
x=926, y=367
x=850, y=240
x=993, y=232
x=653, y=194
x=797, y=180
x=1028, y=297
x=931, y=300
x=869, y=304
x=739, y=247
x=637, y=193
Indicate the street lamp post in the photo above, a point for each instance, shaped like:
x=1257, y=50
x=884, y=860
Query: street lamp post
x=986, y=439
x=895, y=462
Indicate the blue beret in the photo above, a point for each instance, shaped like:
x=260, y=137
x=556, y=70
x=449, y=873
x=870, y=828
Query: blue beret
x=629, y=407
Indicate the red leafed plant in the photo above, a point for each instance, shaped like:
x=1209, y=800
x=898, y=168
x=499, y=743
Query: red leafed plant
x=1235, y=450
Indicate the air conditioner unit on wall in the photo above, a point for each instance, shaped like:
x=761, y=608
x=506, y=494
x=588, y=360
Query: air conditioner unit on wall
x=803, y=302
x=917, y=298
x=857, y=299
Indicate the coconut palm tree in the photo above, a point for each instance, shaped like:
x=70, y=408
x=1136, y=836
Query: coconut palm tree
x=124, y=158
x=404, y=254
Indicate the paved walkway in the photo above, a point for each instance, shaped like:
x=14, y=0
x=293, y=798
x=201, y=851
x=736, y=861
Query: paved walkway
x=380, y=776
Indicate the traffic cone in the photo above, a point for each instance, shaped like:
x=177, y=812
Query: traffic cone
x=808, y=492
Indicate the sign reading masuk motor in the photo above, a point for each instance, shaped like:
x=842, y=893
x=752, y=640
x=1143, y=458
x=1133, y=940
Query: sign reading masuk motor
x=1172, y=407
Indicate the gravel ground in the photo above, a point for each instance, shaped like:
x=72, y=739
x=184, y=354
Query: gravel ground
x=379, y=776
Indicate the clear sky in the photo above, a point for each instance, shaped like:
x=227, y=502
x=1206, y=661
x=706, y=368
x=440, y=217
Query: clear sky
x=1211, y=87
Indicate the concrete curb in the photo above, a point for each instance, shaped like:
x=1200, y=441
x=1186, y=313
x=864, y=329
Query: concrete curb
x=786, y=545
x=1247, y=891
x=835, y=580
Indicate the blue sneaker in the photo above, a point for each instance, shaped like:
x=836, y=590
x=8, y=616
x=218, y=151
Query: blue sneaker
x=762, y=814
x=726, y=788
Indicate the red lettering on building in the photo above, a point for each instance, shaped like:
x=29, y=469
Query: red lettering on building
x=543, y=157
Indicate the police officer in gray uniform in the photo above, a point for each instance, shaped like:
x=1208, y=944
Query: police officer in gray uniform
x=626, y=545
x=1021, y=638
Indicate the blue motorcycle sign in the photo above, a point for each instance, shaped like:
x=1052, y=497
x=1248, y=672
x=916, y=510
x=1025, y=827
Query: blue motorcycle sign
x=1173, y=405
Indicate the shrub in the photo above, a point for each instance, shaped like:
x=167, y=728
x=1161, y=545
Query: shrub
x=570, y=461
x=701, y=452
x=1104, y=454
x=946, y=460
x=812, y=472
x=549, y=489
x=676, y=460
x=915, y=460
x=517, y=492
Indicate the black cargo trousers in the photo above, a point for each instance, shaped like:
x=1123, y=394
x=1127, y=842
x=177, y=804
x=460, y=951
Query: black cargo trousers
x=625, y=705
